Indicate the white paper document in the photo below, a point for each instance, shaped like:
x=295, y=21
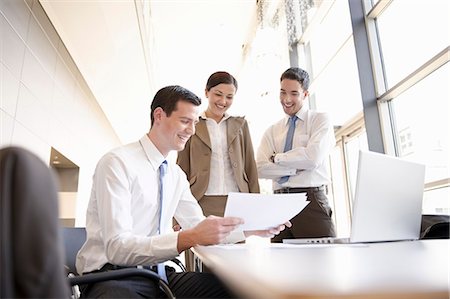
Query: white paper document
x=263, y=211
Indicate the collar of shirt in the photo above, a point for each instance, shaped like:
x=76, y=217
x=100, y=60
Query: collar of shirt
x=225, y=116
x=301, y=114
x=153, y=155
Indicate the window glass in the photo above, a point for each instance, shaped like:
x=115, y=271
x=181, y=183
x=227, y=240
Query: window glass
x=337, y=194
x=352, y=148
x=337, y=89
x=423, y=128
x=411, y=33
x=330, y=35
x=422, y=121
x=335, y=82
x=343, y=172
x=435, y=202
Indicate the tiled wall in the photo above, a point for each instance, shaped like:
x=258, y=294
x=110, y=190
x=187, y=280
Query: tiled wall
x=44, y=100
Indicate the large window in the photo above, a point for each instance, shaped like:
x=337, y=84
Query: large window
x=410, y=33
x=335, y=84
x=416, y=91
x=408, y=76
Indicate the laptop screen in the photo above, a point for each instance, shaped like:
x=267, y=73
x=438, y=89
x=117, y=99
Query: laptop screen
x=388, y=199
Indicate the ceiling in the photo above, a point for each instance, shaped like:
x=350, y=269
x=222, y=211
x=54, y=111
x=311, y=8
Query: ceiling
x=186, y=42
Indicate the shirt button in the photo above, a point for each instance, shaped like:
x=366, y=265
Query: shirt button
x=230, y=150
x=234, y=164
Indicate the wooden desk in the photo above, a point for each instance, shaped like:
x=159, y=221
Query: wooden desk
x=412, y=269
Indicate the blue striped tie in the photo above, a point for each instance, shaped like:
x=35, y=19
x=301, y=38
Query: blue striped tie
x=162, y=172
x=288, y=143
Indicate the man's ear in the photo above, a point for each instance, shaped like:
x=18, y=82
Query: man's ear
x=158, y=114
x=306, y=93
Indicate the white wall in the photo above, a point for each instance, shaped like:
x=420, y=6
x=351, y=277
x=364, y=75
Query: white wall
x=44, y=100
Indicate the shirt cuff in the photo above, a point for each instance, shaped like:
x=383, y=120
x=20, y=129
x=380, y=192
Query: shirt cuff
x=165, y=247
x=276, y=158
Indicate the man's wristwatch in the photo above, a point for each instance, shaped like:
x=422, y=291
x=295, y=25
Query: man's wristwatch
x=272, y=158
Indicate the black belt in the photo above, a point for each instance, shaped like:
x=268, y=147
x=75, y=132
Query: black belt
x=299, y=190
x=108, y=267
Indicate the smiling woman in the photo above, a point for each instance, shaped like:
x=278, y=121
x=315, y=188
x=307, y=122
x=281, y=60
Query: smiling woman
x=219, y=157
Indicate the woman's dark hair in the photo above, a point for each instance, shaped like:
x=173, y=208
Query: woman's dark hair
x=298, y=74
x=168, y=97
x=220, y=78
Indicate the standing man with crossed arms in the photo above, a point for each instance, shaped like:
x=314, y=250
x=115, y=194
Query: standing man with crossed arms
x=293, y=153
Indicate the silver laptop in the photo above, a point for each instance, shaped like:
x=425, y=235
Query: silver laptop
x=388, y=201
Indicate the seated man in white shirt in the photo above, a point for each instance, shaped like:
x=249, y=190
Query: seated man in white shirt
x=126, y=226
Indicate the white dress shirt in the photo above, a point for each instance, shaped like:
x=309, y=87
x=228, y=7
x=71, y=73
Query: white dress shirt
x=123, y=213
x=221, y=175
x=306, y=163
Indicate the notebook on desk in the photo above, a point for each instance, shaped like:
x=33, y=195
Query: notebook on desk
x=387, y=204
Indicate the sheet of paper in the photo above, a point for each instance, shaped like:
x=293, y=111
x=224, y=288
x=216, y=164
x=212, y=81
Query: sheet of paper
x=263, y=211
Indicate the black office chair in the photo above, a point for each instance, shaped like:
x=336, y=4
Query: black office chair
x=32, y=257
x=74, y=238
x=440, y=230
x=435, y=227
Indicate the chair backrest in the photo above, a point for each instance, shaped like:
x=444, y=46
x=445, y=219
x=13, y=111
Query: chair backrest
x=31, y=248
x=440, y=230
x=74, y=238
x=435, y=227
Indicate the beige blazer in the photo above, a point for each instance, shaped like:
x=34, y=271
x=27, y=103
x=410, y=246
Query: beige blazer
x=195, y=159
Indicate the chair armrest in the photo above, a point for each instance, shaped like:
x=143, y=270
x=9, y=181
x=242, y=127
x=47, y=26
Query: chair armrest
x=120, y=273
x=179, y=264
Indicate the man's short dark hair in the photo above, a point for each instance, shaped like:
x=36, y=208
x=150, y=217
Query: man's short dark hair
x=168, y=97
x=298, y=74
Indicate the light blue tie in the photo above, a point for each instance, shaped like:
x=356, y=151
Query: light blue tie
x=162, y=172
x=288, y=143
